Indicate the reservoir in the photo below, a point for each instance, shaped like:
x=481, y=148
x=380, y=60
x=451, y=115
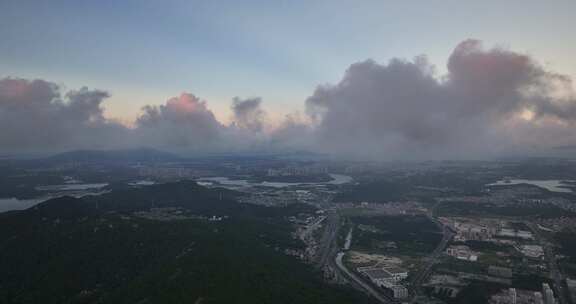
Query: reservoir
x=553, y=185
x=337, y=179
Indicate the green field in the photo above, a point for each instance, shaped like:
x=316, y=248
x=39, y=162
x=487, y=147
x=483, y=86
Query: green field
x=412, y=235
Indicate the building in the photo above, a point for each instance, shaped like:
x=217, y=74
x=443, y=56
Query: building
x=548, y=294
x=500, y=271
x=532, y=251
x=462, y=252
x=572, y=288
x=397, y=273
x=516, y=296
x=511, y=233
x=388, y=278
x=538, y=298
x=378, y=276
x=513, y=296
x=473, y=231
x=384, y=273
x=396, y=290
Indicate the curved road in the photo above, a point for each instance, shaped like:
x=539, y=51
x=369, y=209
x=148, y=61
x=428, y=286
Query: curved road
x=382, y=298
x=447, y=235
x=330, y=257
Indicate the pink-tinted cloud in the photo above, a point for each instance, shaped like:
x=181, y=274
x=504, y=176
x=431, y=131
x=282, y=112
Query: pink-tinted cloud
x=183, y=122
x=401, y=109
x=491, y=102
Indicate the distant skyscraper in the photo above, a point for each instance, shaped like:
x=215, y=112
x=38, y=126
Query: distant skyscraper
x=548, y=294
x=512, y=295
x=538, y=298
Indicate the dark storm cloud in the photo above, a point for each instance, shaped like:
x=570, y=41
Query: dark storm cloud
x=34, y=117
x=402, y=109
x=248, y=114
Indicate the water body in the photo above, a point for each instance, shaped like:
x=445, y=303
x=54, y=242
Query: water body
x=80, y=190
x=553, y=185
x=8, y=204
x=337, y=179
x=141, y=183
x=72, y=187
x=348, y=240
x=52, y=191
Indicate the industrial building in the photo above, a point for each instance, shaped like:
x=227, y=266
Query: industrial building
x=387, y=277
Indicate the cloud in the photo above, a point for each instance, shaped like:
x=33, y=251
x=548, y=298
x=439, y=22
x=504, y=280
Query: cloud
x=491, y=102
x=248, y=114
x=184, y=123
x=503, y=82
x=403, y=110
x=34, y=117
x=294, y=133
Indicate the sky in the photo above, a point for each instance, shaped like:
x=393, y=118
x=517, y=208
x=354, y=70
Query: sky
x=143, y=53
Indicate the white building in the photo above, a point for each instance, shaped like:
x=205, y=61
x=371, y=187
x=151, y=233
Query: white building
x=538, y=298
x=378, y=276
x=398, y=291
x=387, y=277
x=397, y=273
x=522, y=234
x=462, y=252
x=548, y=294
x=513, y=295
x=532, y=251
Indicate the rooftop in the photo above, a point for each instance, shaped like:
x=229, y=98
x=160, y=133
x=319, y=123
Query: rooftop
x=394, y=269
x=376, y=273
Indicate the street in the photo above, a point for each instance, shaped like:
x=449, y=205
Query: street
x=431, y=260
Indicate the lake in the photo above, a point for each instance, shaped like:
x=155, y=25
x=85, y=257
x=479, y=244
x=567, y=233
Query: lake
x=52, y=191
x=72, y=187
x=553, y=185
x=8, y=204
x=337, y=179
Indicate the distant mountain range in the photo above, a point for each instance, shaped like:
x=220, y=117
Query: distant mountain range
x=154, y=155
x=135, y=155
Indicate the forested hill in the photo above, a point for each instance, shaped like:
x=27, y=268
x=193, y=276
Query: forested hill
x=157, y=244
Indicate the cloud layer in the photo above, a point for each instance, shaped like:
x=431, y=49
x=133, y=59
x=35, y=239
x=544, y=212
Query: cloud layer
x=480, y=108
x=491, y=102
x=35, y=117
x=248, y=114
x=184, y=123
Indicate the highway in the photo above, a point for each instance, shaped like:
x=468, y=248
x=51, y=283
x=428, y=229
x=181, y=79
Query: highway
x=555, y=273
x=330, y=257
x=328, y=246
x=312, y=227
x=376, y=294
x=431, y=260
